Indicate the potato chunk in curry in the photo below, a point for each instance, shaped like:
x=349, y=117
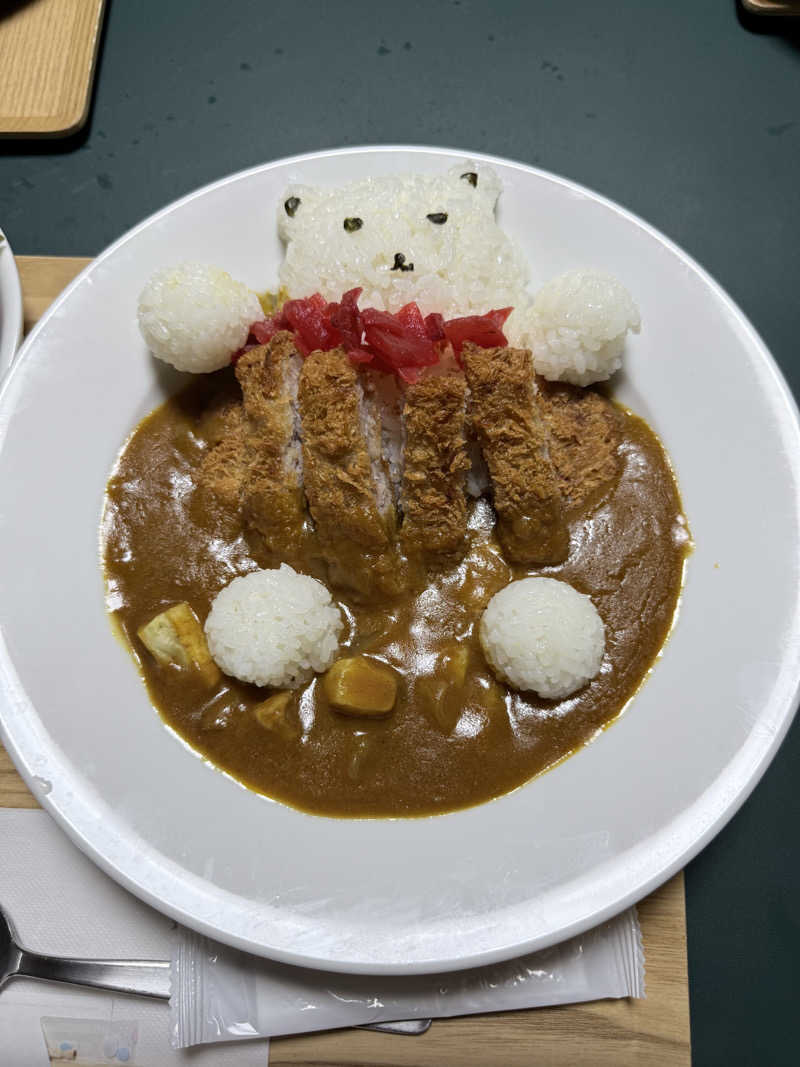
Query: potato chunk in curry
x=176, y=636
x=356, y=685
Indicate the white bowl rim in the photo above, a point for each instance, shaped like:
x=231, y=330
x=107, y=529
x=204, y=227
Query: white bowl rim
x=11, y=319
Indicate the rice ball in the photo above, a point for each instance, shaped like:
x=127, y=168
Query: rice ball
x=274, y=628
x=196, y=316
x=540, y=634
x=578, y=325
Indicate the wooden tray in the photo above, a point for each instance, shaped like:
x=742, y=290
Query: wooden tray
x=653, y=1032
x=772, y=7
x=47, y=56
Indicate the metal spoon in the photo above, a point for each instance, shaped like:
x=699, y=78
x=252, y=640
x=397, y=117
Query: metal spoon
x=141, y=978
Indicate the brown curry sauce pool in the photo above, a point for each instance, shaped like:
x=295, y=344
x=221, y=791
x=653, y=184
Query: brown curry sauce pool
x=444, y=746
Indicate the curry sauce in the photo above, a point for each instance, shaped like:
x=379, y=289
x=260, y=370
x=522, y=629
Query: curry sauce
x=456, y=736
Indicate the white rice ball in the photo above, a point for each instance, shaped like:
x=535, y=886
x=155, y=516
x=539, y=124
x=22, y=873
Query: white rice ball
x=274, y=628
x=196, y=316
x=578, y=326
x=540, y=634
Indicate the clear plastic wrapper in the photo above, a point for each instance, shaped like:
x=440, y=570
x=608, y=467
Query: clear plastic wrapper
x=219, y=994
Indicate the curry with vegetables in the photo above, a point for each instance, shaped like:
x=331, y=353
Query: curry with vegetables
x=409, y=721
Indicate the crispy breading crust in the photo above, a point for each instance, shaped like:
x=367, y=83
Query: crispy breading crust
x=506, y=420
x=584, y=429
x=357, y=541
x=222, y=469
x=433, y=498
x=336, y=463
x=273, y=492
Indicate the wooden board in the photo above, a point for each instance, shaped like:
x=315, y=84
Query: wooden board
x=772, y=7
x=47, y=57
x=653, y=1032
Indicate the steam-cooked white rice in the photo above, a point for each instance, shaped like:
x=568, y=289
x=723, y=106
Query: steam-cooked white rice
x=274, y=628
x=195, y=316
x=578, y=326
x=461, y=266
x=575, y=326
x=540, y=634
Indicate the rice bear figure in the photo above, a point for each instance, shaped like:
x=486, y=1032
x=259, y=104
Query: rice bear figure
x=429, y=238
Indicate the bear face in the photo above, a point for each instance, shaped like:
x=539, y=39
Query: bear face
x=433, y=239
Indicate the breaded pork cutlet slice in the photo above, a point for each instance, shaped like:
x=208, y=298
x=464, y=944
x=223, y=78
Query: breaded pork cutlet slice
x=506, y=420
x=584, y=435
x=272, y=498
x=222, y=469
x=433, y=495
x=346, y=483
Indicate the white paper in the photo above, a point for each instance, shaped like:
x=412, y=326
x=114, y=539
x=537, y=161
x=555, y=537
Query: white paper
x=61, y=904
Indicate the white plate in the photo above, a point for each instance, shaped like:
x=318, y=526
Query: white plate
x=545, y=862
x=10, y=306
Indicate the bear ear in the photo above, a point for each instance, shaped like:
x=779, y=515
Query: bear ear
x=480, y=179
x=293, y=206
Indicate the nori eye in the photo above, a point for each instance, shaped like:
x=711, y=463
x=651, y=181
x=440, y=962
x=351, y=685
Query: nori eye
x=471, y=177
x=291, y=205
x=353, y=224
x=439, y=217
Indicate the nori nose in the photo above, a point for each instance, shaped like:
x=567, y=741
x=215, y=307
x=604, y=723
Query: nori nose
x=400, y=262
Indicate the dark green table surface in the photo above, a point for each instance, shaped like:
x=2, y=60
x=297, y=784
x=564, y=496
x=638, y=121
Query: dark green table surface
x=678, y=109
